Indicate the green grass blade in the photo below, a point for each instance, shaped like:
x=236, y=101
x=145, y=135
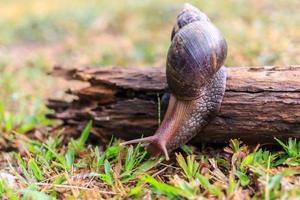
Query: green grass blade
x=164, y=188
x=208, y=186
x=244, y=179
x=70, y=157
x=32, y=165
x=85, y=134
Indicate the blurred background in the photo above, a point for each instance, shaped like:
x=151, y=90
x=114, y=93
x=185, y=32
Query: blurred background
x=35, y=35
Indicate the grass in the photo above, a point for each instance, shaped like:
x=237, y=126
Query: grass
x=37, y=164
x=79, y=170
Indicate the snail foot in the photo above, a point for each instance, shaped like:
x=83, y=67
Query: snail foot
x=156, y=147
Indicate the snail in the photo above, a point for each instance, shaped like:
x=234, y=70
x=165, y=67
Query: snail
x=196, y=78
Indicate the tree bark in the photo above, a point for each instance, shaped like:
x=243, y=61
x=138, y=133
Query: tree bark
x=260, y=103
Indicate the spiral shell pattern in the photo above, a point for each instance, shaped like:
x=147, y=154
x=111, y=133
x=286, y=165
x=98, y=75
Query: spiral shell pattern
x=197, y=52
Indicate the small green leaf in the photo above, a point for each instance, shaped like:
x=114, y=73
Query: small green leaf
x=190, y=166
x=22, y=165
x=112, y=152
x=243, y=178
x=188, y=150
x=85, y=134
x=248, y=160
x=32, y=165
x=144, y=167
x=137, y=190
x=52, y=144
x=208, y=186
x=70, y=157
x=99, y=158
x=165, y=188
x=282, y=144
x=59, y=180
x=108, y=176
x=60, y=158
x=292, y=148
x=231, y=186
x=235, y=145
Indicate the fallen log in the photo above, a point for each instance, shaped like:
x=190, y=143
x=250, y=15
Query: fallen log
x=260, y=103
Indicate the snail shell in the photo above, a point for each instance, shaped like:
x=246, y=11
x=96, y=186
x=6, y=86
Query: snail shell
x=197, y=52
x=196, y=78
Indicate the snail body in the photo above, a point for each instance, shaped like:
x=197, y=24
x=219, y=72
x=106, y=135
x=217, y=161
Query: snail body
x=196, y=78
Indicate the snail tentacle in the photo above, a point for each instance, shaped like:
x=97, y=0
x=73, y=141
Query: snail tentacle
x=135, y=141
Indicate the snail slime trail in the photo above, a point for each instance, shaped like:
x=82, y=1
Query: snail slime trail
x=196, y=78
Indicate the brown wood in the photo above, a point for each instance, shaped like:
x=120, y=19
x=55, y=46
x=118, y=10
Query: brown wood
x=260, y=103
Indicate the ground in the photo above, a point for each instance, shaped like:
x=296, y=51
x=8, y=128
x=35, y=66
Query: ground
x=36, y=35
